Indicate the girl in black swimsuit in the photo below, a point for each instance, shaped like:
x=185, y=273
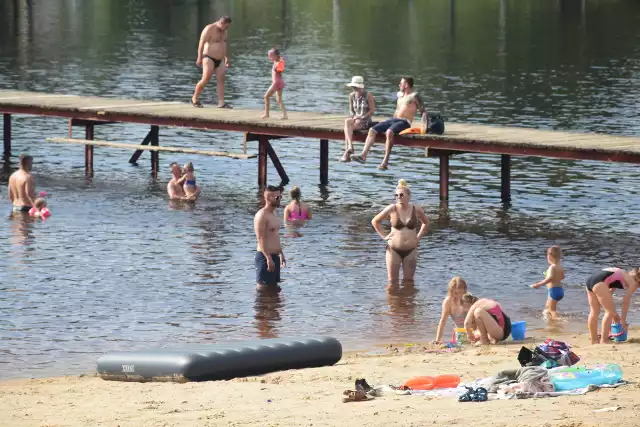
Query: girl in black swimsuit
x=599, y=294
x=402, y=242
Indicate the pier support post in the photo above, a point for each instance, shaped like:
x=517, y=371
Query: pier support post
x=7, y=135
x=263, y=144
x=88, y=149
x=324, y=161
x=505, y=177
x=444, y=177
x=284, y=179
x=155, y=155
x=147, y=139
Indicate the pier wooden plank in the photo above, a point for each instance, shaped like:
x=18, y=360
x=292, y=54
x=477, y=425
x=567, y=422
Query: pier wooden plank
x=151, y=148
x=468, y=137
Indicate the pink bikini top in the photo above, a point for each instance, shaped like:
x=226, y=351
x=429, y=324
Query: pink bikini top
x=298, y=215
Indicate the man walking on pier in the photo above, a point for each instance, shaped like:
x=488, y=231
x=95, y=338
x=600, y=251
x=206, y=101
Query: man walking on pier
x=22, y=186
x=269, y=258
x=409, y=103
x=212, y=51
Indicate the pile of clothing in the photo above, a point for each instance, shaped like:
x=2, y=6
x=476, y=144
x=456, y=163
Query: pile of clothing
x=550, y=354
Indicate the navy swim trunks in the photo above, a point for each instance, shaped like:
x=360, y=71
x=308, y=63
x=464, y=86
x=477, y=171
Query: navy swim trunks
x=263, y=275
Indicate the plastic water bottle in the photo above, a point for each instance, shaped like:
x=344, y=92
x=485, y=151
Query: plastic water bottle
x=425, y=123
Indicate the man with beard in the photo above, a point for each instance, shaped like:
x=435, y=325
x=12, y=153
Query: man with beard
x=269, y=258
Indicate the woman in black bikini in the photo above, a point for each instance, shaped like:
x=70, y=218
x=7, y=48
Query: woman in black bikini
x=402, y=241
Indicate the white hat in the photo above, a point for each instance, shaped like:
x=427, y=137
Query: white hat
x=357, y=81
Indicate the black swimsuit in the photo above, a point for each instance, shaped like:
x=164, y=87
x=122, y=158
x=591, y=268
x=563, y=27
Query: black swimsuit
x=602, y=276
x=399, y=225
x=216, y=62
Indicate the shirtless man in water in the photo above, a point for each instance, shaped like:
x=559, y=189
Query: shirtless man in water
x=175, y=190
x=22, y=186
x=212, y=51
x=269, y=258
x=408, y=103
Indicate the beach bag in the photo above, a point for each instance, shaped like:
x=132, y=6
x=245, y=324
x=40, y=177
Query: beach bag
x=558, y=351
x=436, y=125
x=527, y=357
x=550, y=354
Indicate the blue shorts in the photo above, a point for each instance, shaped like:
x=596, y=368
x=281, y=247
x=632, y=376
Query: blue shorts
x=263, y=275
x=556, y=294
x=396, y=125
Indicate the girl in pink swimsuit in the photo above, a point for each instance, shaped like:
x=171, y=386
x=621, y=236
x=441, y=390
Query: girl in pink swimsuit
x=296, y=212
x=277, y=84
x=486, y=316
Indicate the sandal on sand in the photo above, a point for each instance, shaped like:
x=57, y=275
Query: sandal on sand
x=354, y=396
x=358, y=159
x=362, y=383
x=196, y=104
x=225, y=105
x=478, y=395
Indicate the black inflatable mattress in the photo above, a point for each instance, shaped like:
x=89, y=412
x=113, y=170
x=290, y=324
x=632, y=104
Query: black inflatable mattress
x=220, y=361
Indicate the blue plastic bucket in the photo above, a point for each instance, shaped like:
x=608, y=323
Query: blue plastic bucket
x=518, y=330
x=618, y=334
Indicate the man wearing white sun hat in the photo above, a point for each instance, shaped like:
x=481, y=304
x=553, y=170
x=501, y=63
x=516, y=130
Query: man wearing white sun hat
x=361, y=108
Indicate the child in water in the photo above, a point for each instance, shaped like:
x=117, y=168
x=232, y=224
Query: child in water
x=554, y=276
x=189, y=180
x=39, y=210
x=277, y=84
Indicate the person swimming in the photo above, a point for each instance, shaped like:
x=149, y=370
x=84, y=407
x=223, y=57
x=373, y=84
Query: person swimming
x=296, y=212
x=39, y=209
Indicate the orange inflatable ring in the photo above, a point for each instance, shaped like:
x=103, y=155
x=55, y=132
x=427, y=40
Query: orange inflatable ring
x=429, y=383
x=411, y=131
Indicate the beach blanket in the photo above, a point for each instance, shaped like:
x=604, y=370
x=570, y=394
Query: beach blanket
x=577, y=392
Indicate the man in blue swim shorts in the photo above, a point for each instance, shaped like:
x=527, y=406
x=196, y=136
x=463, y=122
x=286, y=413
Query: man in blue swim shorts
x=269, y=258
x=409, y=103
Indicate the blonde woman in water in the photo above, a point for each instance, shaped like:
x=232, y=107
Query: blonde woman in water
x=402, y=241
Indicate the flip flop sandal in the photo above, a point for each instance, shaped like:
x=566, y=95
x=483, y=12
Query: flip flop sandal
x=225, y=105
x=478, y=395
x=358, y=159
x=482, y=395
x=468, y=396
x=196, y=104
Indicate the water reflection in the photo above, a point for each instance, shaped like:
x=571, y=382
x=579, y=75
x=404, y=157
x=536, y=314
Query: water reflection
x=268, y=304
x=402, y=308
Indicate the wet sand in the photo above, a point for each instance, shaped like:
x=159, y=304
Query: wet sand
x=313, y=397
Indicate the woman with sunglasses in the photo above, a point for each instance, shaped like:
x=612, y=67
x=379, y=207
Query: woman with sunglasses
x=402, y=241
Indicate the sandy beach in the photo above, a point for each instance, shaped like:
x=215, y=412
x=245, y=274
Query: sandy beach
x=313, y=397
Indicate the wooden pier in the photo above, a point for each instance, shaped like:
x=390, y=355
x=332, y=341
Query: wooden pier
x=88, y=112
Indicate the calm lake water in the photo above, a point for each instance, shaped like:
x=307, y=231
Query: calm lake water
x=118, y=267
